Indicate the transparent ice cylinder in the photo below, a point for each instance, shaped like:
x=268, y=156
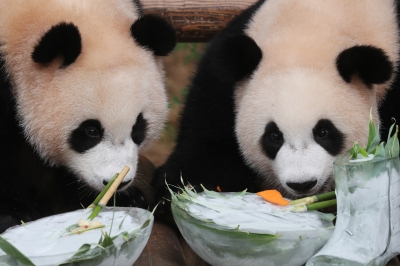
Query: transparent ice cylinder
x=367, y=229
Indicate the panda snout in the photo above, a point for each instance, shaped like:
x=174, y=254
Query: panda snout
x=123, y=185
x=303, y=186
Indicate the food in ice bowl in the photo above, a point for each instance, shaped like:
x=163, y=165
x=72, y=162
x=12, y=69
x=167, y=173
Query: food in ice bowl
x=117, y=236
x=244, y=229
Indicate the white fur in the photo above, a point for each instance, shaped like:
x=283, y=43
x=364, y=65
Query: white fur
x=104, y=160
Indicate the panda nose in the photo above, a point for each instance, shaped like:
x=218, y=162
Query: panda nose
x=124, y=183
x=302, y=186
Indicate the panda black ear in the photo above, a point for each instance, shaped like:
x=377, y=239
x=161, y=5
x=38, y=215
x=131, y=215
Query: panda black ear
x=63, y=40
x=154, y=33
x=239, y=56
x=369, y=63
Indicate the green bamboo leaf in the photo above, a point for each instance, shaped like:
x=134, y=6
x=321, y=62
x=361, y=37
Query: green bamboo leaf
x=94, y=253
x=354, y=150
x=375, y=140
x=362, y=152
x=13, y=252
x=380, y=151
x=396, y=148
x=392, y=146
x=83, y=249
x=371, y=132
x=120, y=225
x=107, y=241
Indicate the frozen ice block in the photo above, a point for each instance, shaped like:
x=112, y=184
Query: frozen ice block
x=367, y=229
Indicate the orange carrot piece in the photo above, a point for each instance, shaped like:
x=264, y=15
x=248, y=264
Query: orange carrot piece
x=273, y=196
x=218, y=189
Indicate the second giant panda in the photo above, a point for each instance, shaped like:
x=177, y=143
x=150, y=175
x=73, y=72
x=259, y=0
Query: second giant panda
x=283, y=90
x=81, y=93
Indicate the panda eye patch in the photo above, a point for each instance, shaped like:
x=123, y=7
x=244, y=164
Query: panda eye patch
x=272, y=140
x=139, y=129
x=328, y=136
x=87, y=135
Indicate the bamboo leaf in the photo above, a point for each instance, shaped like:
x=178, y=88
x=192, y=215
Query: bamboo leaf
x=13, y=252
x=362, y=152
x=380, y=151
x=371, y=132
x=107, y=241
x=375, y=140
x=83, y=249
x=354, y=150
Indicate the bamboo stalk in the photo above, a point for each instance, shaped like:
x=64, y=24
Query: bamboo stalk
x=326, y=196
x=321, y=205
x=114, y=186
x=314, y=206
x=313, y=199
x=101, y=195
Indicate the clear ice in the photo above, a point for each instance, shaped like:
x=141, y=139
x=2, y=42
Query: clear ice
x=238, y=230
x=367, y=229
x=45, y=244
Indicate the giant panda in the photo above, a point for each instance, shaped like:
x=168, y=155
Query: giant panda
x=81, y=93
x=282, y=91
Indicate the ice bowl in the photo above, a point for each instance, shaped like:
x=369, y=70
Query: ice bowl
x=46, y=241
x=243, y=229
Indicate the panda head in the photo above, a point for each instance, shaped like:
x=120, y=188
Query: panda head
x=291, y=123
x=87, y=81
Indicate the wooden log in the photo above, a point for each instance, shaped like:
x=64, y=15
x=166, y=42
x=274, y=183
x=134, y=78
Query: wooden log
x=196, y=20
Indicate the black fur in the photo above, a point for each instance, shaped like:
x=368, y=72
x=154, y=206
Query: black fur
x=329, y=137
x=207, y=150
x=390, y=109
x=139, y=130
x=155, y=34
x=240, y=57
x=369, y=63
x=139, y=6
x=63, y=40
x=86, y=136
x=272, y=140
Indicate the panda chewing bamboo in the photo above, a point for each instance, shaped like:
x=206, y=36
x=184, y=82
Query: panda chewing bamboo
x=81, y=93
x=283, y=90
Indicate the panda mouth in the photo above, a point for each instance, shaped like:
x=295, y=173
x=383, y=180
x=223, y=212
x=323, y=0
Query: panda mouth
x=121, y=186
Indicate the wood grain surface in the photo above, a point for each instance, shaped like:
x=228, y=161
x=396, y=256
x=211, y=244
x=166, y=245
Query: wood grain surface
x=196, y=21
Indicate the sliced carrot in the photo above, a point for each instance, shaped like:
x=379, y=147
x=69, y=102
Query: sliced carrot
x=273, y=196
x=218, y=189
